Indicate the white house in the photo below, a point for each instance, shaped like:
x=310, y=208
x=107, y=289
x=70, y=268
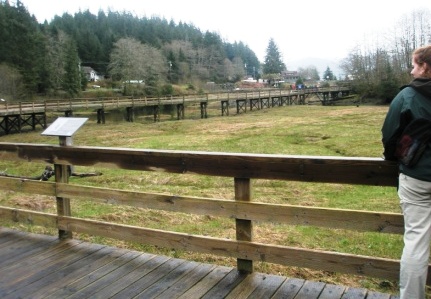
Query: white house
x=91, y=74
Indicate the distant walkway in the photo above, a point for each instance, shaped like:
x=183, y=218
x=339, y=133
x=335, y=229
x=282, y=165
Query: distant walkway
x=41, y=266
x=15, y=116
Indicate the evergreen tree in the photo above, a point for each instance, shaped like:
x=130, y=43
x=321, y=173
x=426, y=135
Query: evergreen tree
x=173, y=68
x=328, y=75
x=55, y=60
x=273, y=61
x=22, y=44
x=72, y=74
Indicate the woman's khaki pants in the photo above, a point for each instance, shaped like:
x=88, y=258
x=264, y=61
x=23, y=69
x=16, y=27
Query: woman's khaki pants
x=415, y=201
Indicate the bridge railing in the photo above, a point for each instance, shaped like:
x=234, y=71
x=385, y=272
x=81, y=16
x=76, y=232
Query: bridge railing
x=242, y=168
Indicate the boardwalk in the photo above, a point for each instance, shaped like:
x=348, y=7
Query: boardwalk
x=41, y=266
x=15, y=116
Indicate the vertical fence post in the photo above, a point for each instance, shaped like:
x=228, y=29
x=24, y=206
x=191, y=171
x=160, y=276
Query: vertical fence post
x=244, y=228
x=62, y=173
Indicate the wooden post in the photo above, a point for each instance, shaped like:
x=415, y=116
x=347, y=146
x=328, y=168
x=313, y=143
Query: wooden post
x=33, y=121
x=180, y=111
x=62, y=173
x=101, y=116
x=156, y=113
x=225, y=107
x=204, y=113
x=244, y=228
x=130, y=114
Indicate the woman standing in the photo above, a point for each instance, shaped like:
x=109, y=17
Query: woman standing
x=414, y=182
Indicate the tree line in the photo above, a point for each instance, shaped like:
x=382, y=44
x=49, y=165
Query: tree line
x=47, y=58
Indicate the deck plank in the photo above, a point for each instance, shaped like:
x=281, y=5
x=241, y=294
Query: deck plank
x=34, y=248
x=207, y=283
x=374, y=295
x=19, y=284
x=224, y=286
x=155, y=272
x=105, y=291
x=267, y=289
x=8, y=237
x=186, y=282
x=39, y=266
x=247, y=286
x=332, y=291
x=17, y=250
x=289, y=288
x=354, y=293
x=38, y=281
x=111, y=279
x=310, y=289
x=23, y=268
x=121, y=257
x=51, y=283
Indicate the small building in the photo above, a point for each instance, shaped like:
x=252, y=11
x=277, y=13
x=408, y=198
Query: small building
x=290, y=76
x=90, y=73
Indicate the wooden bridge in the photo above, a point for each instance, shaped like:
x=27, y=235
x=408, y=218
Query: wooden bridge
x=31, y=114
x=35, y=266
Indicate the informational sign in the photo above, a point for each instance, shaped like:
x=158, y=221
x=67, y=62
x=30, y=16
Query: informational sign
x=65, y=126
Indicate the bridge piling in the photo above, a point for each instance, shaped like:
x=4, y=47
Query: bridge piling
x=225, y=107
x=241, y=105
x=204, y=113
x=156, y=113
x=180, y=111
x=101, y=116
x=130, y=117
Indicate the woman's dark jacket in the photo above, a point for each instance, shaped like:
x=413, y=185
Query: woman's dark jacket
x=412, y=102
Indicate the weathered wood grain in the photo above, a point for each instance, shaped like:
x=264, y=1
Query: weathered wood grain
x=284, y=255
x=75, y=269
x=343, y=170
x=28, y=217
x=287, y=214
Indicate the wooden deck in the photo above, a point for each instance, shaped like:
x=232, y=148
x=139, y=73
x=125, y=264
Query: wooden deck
x=41, y=266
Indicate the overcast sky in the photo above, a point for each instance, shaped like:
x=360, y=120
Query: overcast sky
x=323, y=29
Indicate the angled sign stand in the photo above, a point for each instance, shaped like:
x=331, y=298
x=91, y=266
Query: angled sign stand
x=64, y=126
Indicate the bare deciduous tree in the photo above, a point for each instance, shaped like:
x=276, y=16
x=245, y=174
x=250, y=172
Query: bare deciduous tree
x=379, y=69
x=132, y=60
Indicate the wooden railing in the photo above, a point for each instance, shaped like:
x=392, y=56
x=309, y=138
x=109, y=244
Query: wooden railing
x=242, y=168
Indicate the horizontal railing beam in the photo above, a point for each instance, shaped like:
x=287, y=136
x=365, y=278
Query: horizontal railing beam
x=255, y=211
x=283, y=255
x=365, y=171
x=28, y=217
x=263, y=212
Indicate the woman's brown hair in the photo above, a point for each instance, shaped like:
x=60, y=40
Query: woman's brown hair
x=423, y=55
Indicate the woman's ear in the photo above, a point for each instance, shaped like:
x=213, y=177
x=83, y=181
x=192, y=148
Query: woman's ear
x=425, y=71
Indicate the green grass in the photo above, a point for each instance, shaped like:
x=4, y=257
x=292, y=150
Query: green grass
x=297, y=130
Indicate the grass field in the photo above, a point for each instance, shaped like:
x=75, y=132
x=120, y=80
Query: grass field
x=295, y=130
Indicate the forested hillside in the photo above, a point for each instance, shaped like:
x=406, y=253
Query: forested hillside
x=44, y=59
x=48, y=59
